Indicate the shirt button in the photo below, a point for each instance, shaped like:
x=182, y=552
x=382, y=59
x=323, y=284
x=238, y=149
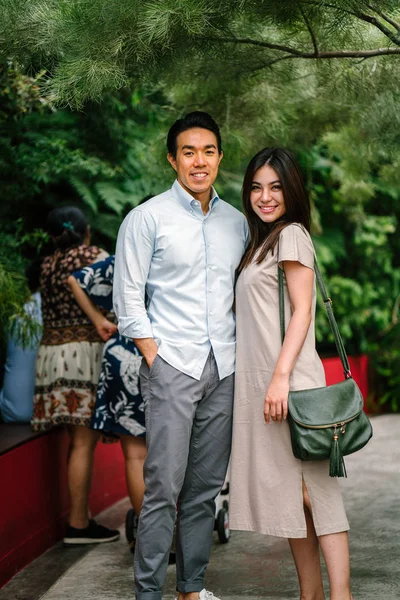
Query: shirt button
x=209, y=291
x=191, y=210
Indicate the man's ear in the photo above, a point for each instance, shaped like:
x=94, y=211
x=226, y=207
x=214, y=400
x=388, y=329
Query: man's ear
x=172, y=161
x=220, y=157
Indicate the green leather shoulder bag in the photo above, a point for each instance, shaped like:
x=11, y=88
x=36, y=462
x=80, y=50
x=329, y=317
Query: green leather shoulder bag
x=327, y=422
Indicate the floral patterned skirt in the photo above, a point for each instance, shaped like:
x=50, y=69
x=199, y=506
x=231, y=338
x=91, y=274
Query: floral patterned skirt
x=66, y=384
x=119, y=405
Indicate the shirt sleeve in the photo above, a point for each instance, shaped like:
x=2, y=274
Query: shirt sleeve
x=295, y=245
x=97, y=280
x=135, y=248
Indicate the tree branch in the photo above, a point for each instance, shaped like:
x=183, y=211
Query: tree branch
x=269, y=64
x=295, y=53
x=313, y=38
x=393, y=37
x=263, y=44
x=385, y=17
x=364, y=17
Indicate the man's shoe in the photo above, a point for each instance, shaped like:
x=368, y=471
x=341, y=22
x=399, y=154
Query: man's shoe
x=206, y=595
x=94, y=533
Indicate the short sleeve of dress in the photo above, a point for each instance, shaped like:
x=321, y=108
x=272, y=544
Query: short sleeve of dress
x=295, y=245
x=102, y=255
x=97, y=281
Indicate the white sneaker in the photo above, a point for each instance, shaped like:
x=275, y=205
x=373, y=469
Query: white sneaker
x=206, y=595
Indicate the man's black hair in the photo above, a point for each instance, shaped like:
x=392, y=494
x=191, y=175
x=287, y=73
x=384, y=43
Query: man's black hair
x=191, y=120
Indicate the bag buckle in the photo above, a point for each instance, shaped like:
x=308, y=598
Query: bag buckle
x=342, y=427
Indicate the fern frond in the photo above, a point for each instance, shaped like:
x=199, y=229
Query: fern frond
x=88, y=196
x=112, y=196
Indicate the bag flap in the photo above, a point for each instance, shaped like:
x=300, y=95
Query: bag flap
x=326, y=405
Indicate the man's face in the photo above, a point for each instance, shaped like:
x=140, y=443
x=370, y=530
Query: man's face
x=196, y=162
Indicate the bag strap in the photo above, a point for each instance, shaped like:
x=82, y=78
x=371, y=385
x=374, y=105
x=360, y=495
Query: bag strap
x=331, y=317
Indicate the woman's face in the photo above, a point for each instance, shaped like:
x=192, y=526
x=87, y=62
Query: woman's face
x=266, y=196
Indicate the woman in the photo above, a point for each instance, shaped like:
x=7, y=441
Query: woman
x=271, y=491
x=119, y=406
x=68, y=366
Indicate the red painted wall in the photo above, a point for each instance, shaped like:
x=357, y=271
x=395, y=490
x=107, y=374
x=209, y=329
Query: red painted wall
x=34, y=497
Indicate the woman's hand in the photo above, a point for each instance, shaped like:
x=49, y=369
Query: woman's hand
x=276, y=399
x=105, y=328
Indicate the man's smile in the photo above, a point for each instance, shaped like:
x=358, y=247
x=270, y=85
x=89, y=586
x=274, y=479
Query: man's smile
x=199, y=175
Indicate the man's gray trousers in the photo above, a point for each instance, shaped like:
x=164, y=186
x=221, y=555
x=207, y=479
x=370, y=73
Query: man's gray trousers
x=189, y=428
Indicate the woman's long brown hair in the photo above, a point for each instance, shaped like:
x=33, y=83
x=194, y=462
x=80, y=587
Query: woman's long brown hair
x=265, y=236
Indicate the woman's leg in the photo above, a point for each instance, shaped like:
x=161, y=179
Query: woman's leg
x=134, y=450
x=335, y=549
x=306, y=557
x=80, y=466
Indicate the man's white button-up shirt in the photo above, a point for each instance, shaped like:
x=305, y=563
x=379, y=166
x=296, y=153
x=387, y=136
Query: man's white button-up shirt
x=174, y=278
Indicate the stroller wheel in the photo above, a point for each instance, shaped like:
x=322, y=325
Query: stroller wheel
x=223, y=526
x=131, y=522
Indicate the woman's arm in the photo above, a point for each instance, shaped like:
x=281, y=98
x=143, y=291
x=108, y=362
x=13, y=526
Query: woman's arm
x=104, y=327
x=300, y=281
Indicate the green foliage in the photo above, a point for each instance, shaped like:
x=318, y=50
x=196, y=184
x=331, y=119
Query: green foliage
x=359, y=253
x=253, y=66
x=104, y=160
x=93, y=47
x=386, y=361
x=14, y=291
x=14, y=320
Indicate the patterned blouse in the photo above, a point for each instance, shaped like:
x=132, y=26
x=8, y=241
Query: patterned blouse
x=63, y=319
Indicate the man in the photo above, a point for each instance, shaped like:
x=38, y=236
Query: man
x=181, y=249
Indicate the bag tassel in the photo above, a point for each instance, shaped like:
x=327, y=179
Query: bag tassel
x=337, y=467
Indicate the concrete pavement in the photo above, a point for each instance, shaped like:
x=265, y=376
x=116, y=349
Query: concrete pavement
x=249, y=566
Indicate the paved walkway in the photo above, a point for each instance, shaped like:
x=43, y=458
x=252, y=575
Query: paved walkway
x=250, y=566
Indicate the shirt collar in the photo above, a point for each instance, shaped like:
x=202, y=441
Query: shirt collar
x=187, y=201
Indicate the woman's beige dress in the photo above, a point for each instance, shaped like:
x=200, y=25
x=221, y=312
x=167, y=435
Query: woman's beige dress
x=266, y=479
